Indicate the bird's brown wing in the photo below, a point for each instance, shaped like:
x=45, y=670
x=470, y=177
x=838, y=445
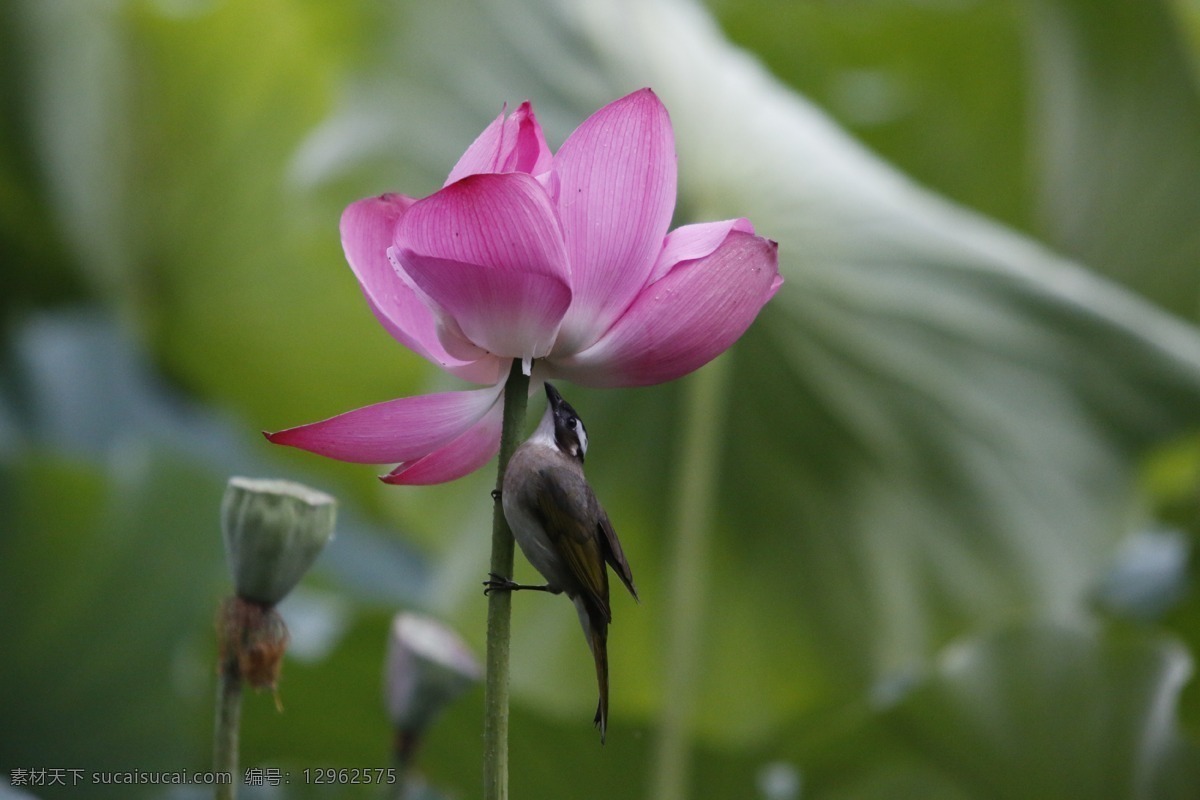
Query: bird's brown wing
x=562, y=506
x=614, y=555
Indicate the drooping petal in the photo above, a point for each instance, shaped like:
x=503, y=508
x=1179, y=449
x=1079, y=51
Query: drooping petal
x=614, y=185
x=684, y=320
x=405, y=429
x=367, y=228
x=489, y=253
x=467, y=453
x=513, y=144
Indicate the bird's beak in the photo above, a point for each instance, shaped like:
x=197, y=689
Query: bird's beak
x=553, y=396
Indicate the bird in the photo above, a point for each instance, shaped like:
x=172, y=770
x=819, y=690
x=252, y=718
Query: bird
x=563, y=530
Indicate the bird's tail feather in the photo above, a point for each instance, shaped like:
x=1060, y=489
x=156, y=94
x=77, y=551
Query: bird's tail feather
x=598, y=639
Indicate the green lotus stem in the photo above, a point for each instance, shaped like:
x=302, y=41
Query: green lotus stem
x=694, y=497
x=499, y=618
x=229, y=717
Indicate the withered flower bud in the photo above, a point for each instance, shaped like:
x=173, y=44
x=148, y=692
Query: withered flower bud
x=428, y=666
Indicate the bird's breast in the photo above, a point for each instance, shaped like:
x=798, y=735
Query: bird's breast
x=519, y=499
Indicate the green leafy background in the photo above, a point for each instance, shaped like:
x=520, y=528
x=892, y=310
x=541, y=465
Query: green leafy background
x=953, y=521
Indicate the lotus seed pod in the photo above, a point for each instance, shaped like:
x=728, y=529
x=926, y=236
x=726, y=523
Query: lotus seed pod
x=274, y=530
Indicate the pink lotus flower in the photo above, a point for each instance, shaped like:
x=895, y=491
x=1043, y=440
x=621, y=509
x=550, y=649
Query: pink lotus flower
x=562, y=261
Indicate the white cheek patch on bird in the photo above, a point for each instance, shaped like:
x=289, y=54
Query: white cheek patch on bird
x=581, y=433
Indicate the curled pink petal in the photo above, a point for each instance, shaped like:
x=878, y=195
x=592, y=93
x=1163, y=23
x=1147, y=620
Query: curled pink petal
x=614, y=185
x=684, y=320
x=512, y=144
x=465, y=454
x=367, y=229
x=405, y=429
x=691, y=242
x=449, y=333
x=488, y=252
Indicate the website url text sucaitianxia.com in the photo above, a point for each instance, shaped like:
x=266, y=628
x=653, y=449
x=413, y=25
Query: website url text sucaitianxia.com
x=63, y=776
